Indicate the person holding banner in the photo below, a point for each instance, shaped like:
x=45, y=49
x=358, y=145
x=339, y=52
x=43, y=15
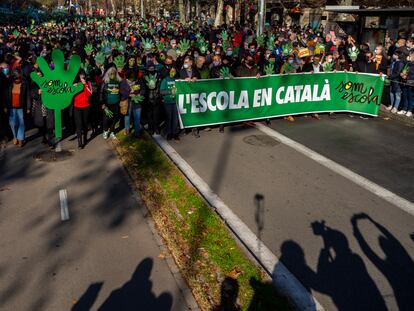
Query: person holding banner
x=167, y=90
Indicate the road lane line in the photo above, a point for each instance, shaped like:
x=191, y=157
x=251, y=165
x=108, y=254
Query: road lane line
x=363, y=182
x=285, y=282
x=64, y=210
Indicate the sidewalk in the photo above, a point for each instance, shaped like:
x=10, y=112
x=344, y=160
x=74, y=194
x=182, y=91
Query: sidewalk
x=396, y=117
x=106, y=256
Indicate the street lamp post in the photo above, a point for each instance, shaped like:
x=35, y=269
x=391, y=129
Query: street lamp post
x=261, y=17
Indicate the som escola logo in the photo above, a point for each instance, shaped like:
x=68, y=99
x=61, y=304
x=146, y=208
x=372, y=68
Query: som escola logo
x=357, y=93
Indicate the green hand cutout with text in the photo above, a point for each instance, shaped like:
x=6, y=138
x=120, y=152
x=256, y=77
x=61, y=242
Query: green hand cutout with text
x=57, y=85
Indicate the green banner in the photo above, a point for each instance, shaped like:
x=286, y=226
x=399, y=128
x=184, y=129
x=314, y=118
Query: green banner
x=217, y=101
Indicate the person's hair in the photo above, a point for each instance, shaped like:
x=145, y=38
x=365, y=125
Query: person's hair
x=106, y=78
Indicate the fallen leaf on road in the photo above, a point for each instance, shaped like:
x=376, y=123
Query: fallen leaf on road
x=162, y=255
x=125, y=237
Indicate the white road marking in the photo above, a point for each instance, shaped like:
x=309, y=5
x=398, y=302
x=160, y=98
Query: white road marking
x=64, y=210
x=285, y=282
x=381, y=192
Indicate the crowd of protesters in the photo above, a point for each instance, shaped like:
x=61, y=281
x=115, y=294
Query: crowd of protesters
x=129, y=68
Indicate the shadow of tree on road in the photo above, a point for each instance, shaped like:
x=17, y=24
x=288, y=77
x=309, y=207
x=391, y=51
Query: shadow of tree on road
x=135, y=294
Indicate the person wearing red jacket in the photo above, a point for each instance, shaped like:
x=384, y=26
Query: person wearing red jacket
x=81, y=110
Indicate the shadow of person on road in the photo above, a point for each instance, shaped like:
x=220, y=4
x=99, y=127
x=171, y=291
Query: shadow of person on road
x=87, y=300
x=136, y=294
x=229, y=293
x=340, y=273
x=397, y=266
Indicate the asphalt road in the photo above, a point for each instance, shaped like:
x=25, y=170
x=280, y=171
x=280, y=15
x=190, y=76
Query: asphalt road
x=350, y=248
x=104, y=257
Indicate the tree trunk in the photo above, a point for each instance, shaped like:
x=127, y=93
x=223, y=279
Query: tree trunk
x=219, y=13
x=181, y=10
x=113, y=7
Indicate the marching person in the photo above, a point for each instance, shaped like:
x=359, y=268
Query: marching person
x=81, y=110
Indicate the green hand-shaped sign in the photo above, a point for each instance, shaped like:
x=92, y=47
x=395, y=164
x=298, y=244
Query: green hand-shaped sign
x=57, y=84
x=269, y=69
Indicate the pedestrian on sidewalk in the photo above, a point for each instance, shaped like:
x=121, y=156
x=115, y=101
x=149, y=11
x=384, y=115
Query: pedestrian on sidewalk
x=81, y=106
x=110, y=98
x=17, y=103
x=395, y=90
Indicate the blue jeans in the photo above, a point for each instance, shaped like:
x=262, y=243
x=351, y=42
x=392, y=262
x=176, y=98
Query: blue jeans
x=136, y=112
x=408, y=98
x=395, y=99
x=16, y=121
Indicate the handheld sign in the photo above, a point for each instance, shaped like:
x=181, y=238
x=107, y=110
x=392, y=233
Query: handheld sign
x=57, y=84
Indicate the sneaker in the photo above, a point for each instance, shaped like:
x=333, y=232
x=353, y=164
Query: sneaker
x=394, y=110
x=290, y=118
x=409, y=114
x=402, y=112
x=112, y=136
x=15, y=142
x=105, y=134
x=389, y=108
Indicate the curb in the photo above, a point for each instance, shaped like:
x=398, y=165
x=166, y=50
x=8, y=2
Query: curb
x=287, y=284
x=175, y=271
x=408, y=121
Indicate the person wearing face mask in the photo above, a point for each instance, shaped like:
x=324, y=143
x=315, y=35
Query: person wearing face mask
x=215, y=67
x=153, y=99
x=110, y=98
x=189, y=73
x=248, y=68
x=137, y=87
x=314, y=66
x=167, y=90
x=395, y=88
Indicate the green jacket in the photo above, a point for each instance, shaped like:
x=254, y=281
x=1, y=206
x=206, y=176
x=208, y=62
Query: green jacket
x=167, y=84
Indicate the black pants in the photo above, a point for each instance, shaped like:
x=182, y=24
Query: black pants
x=109, y=123
x=153, y=115
x=81, y=120
x=172, y=119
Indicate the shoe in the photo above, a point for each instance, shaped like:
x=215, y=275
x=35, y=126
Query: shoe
x=208, y=129
x=316, y=116
x=20, y=143
x=402, y=112
x=409, y=114
x=268, y=123
x=389, y=108
x=15, y=141
x=126, y=132
x=332, y=115
x=394, y=110
x=290, y=118
x=176, y=137
x=105, y=134
x=112, y=135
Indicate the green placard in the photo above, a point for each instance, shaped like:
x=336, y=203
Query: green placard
x=57, y=84
x=218, y=101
